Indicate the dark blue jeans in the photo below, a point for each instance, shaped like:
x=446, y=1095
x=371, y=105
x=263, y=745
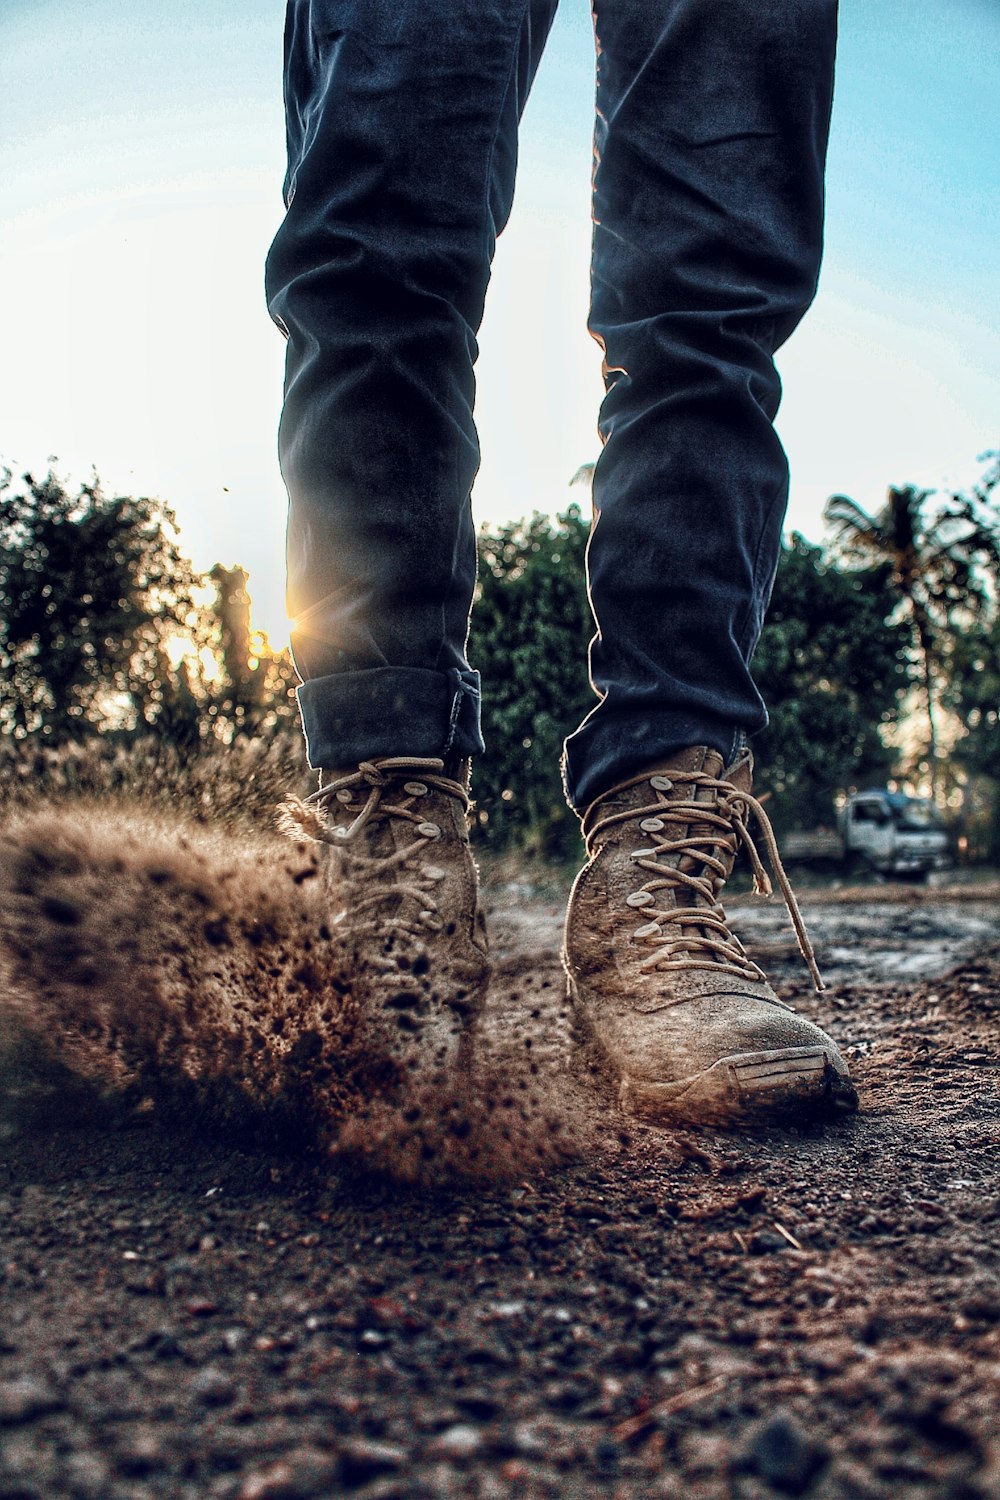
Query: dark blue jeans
x=712, y=121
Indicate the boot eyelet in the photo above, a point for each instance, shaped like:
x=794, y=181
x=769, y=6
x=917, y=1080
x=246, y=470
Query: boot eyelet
x=661, y=783
x=651, y=929
x=415, y=789
x=651, y=825
x=344, y=796
x=429, y=830
x=640, y=898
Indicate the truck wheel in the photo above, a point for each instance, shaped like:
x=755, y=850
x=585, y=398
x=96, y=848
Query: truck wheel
x=861, y=870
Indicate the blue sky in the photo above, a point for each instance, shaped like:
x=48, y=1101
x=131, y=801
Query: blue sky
x=141, y=151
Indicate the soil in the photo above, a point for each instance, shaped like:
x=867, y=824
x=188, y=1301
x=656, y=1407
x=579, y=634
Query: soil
x=226, y=1272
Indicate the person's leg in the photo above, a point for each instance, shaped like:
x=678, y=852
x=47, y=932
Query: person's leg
x=710, y=143
x=402, y=140
x=708, y=205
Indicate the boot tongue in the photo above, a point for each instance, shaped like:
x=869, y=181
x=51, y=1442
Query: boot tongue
x=711, y=764
x=699, y=759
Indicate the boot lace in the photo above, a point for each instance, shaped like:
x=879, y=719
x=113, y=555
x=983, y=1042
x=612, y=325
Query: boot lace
x=395, y=889
x=695, y=934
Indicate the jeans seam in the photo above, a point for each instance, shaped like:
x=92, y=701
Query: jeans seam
x=743, y=631
x=503, y=100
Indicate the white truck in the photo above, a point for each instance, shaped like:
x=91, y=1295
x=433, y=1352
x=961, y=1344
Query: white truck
x=888, y=832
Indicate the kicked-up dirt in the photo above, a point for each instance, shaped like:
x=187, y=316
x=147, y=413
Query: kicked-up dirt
x=226, y=1271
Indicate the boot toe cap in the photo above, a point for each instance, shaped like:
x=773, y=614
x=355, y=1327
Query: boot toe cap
x=728, y=1057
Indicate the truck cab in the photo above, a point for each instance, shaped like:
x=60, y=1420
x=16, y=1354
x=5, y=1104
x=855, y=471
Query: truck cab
x=894, y=833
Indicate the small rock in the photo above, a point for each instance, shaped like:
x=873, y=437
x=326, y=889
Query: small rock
x=163, y=1344
x=479, y=1403
x=201, y=1307
x=783, y=1454
x=88, y=1475
x=530, y=1440
x=277, y=1482
x=507, y=1309
x=140, y=1452
x=766, y=1242
x=460, y=1441
x=24, y=1399
x=363, y=1458
x=212, y=1387
x=608, y=1454
x=304, y=1472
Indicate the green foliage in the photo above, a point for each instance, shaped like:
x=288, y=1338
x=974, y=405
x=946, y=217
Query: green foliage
x=92, y=590
x=939, y=551
x=530, y=631
x=973, y=695
x=830, y=667
x=105, y=626
x=831, y=670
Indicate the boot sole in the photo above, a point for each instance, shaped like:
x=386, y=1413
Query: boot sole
x=747, y=1085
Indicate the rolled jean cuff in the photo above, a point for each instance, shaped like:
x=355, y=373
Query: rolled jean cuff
x=349, y=717
x=603, y=754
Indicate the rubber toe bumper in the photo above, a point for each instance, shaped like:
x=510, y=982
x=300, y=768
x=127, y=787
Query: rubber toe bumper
x=749, y=1085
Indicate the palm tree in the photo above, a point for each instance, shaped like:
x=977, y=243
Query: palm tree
x=940, y=559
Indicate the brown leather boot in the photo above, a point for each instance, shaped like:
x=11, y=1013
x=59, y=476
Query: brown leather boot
x=404, y=902
x=687, y=1021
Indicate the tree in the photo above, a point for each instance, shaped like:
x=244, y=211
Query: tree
x=530, y=631
x=831, y=670
x=938, y=554
x=254, y=689
x=94, y=592
x=972, y=693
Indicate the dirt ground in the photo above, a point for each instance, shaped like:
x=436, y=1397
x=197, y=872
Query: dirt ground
x=224, y=1273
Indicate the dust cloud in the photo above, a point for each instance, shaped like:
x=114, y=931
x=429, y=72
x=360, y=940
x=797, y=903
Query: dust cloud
x=148, y=965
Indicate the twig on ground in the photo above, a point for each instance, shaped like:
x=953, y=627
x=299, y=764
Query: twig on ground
x=789, y=1237
x=633, y=1426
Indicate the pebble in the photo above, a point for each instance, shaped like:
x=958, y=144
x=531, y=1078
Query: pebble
x=767, y=1242
x=783, y=1454
x=362, y=1458
x=274, y=1483
x=212, y=1386
x=88, y=1474
x=24, y=1399
x=303, y=1472
x=460, y=1441
x=201, y=1307
x=479, y=1403
x=529, y=1439
x=507, y=1309
x=141, y=1451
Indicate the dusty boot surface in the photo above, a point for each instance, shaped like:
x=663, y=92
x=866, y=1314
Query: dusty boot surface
x=687, y=1022
x=404, y=907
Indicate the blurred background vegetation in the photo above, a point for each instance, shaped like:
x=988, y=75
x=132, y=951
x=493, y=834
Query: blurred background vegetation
x=124, y=672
